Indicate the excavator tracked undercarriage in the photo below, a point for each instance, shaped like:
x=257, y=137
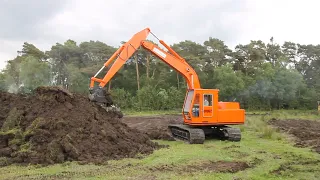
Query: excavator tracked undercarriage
x=203, y=115
x=196, y=135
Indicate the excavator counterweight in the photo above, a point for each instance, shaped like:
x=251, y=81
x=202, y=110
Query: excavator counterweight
x=203, y=114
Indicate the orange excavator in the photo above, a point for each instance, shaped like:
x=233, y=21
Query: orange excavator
x=203, y=114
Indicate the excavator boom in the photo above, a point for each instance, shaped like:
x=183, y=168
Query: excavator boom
x=98, y=94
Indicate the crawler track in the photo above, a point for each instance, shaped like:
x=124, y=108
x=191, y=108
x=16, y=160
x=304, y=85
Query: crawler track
x=187, y=133
x=232, y=134
x=197, y=135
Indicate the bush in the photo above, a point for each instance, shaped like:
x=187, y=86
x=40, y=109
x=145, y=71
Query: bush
x=122, y=98
x=150, y=98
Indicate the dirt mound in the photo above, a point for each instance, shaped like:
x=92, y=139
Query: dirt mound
x=53, y=126
x=156, y=127
x=307, y=132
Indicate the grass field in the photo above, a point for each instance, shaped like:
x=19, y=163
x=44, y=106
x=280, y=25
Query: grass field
x=268, y=153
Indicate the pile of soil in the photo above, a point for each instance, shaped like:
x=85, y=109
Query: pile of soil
x=156, y=127
x=307, y=132
x=52, y=126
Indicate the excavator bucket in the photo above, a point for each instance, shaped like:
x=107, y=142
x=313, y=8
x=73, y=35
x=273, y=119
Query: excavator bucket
x=100, y=96
x=103, y=98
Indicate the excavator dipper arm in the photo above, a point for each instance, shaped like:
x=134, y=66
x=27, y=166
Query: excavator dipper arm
x=97, y=93
x=123, y=53
x=126, y=51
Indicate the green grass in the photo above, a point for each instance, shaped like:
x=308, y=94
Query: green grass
x=266, y=150
x=288, y=114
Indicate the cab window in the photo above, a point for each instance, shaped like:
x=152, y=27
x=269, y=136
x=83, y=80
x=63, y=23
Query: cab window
x=196, y=106
x=207, y=100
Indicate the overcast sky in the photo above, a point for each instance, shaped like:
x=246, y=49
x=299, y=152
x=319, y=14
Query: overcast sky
x=43, y=23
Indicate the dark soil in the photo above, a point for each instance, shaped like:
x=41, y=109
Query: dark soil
x=156, y=127
x=221, y=166
x=292, y=166
x=297, y=163
x=53, y=126
x=307, y=132
x=210, y=166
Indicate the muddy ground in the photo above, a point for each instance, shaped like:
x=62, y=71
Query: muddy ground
x=156, y=127
x=208, y=166
x=306, y=132
x=53, y=126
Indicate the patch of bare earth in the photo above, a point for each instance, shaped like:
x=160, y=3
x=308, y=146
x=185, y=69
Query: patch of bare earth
x=306, y=132
x=297, y=164
x=209, y=166
x=290, y=166
x=156, y=127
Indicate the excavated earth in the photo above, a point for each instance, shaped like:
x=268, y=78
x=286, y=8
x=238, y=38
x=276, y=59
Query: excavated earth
x=306, y=132
x=156, y=127
x=208, y=166
x=52, y=126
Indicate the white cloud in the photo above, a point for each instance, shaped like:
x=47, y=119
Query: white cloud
x=285, y=20
x=114, y=21
x=8, y=50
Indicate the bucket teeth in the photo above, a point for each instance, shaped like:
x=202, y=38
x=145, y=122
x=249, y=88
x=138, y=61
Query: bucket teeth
x=101, y=96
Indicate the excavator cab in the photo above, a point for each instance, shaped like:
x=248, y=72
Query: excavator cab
x=204, y=116
x=201, y=107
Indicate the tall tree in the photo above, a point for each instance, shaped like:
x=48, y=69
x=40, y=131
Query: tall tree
x=60, y=56
x=137, y=71
x=274, y=54
x=3, y=86
x=192, y=52
x=289, y=50
x=31, y=50
x=12, y=73
x=249, y=56
x=228, y=82
x=218, y=54
x=34, y=73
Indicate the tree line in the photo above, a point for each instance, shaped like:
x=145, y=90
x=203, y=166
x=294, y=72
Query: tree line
x=259, y=75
